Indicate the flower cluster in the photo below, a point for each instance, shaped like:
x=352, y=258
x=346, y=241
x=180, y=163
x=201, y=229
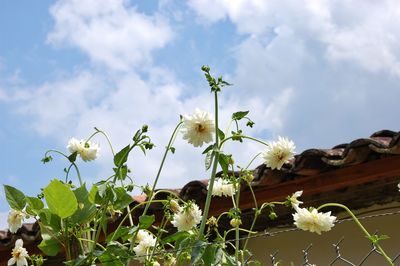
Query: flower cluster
x=15, y=219
x=187, y=217
x=146, y=242
x=86, y=149
x=278, y=153
x=313, y=220
x=198, y=128
x=19, y=254
x=223, y=187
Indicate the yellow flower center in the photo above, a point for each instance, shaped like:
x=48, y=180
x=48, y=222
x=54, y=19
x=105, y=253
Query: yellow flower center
x=200, y=128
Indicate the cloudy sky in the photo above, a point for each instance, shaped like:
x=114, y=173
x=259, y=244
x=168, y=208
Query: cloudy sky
x=319, y=72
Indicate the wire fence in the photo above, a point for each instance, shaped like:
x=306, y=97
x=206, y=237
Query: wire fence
x=339, y=259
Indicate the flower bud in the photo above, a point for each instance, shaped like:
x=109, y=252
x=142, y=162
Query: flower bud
x=174, y=206
x=236, y=222
x=212, y=223
x=248, y=177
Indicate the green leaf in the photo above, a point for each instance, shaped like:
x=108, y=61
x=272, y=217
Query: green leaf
x=239, y=115
x=221, y=134
x=209, y=255
x=208, y=160
x=175, y=237
x=224, y=161
x=120, y=232
x=209, y=148
x=49, y=219
x=15, y=198
x=49, y=245
x=94, y=196
x=172, y=149
x=35, y=203
x=123, y=199
x=60, y=199
x=197, y=252
x=86, y=209
x=145, y=221
x=122, y=156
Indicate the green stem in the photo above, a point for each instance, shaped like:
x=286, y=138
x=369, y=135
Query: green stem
x=171, y=140
x=213, y=172
x=256, y=214
x=237, y=227
x=76, y=167
x=355, y=219
x=245, y=137
x=106, y=136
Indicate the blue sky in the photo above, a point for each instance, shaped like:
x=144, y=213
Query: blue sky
x=321, y=73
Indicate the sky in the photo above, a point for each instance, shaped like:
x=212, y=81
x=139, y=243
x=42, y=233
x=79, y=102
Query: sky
x=319, y=72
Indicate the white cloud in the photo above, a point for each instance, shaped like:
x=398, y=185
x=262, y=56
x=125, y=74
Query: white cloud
x=111, y=32
x=365, y=33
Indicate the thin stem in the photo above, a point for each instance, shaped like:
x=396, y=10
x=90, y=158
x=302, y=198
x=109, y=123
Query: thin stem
x=245, y=137
x=213, y=172
x=171, y=140
x=237, y=227
x=106, y=136
x=73, y=163
x=252, y=160
x=256, y=214
x=355, y=219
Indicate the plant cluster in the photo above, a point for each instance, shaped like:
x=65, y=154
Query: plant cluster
x=74, y=218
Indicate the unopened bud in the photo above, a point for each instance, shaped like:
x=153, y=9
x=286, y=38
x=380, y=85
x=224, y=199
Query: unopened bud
x=174, y=206
x=248, y=177
x=236, y=222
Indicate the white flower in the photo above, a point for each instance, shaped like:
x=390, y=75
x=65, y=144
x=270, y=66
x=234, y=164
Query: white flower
x=19, y=254
x=146, y=243
x=313, y=221
x=278, y=153
x=223, y=187
x=15, y=219
x=86, y=149
x=198, y=128
x=294, y=201
x=398, y=186
x=187, y=217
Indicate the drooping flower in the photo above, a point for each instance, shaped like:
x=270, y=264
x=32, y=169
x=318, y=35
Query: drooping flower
x=294, y=201
x=198, y=128
x=223, y=187
x=19, y=254
x=146, y=242
x=278, y=152
x=313, y=221
x=86, y=149
x=187, y=217
x=15, y=219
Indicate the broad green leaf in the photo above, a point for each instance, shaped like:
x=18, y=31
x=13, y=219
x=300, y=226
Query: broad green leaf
x=239, y=115
x=209, y=255
x=50, y=219
x=15, y=198
x=123, y=199
x=145, y=221
x=94, y=196
x=122, y=156
x=49, y=245
x=35, y=203
x=86, y=209
x=60, y=199
x=197, y=252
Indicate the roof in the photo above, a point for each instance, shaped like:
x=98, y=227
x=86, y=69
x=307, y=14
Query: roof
x=358, y=174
